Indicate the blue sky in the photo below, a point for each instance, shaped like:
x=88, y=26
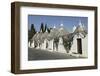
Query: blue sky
x=68, y=21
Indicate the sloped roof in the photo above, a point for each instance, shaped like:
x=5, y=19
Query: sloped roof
x=53, y=33
x=44, y=35
x=62, y=32
x=38, y=37
x=80, y=30
x=35, y=37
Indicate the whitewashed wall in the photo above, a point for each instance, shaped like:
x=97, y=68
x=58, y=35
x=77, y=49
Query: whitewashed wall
x=84, y=45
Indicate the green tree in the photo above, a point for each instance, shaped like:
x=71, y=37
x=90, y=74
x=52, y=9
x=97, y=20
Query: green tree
x=68, y=43
x=33, y=29
x=42, y=28
x=45, y=27
x=48, y=29
x=31, y=32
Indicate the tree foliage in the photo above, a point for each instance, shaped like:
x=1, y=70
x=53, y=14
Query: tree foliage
x=31, y=32
x=42, y=28
x=45, y=27
x=68, y=43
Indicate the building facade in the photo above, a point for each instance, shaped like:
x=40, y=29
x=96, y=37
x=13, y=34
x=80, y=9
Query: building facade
x=54, y=41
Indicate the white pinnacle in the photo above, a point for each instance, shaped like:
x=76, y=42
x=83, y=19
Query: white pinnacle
x=46, y=30
x=80, y=24
x=61, y=25
x=54, y=26
x=74, y=28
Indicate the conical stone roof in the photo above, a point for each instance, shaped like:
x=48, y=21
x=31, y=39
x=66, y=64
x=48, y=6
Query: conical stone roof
x=80, y=29
x=62, y=31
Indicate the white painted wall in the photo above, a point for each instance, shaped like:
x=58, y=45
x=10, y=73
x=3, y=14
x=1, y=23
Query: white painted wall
x=74, y=45
x=5, y=41
x=50, y=47
x=61, y=47
x=84, y=46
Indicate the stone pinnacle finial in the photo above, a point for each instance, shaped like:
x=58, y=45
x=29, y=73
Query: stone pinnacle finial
x=80, y=23
x=61, y=24
x=74, y=28
x=54, y=26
